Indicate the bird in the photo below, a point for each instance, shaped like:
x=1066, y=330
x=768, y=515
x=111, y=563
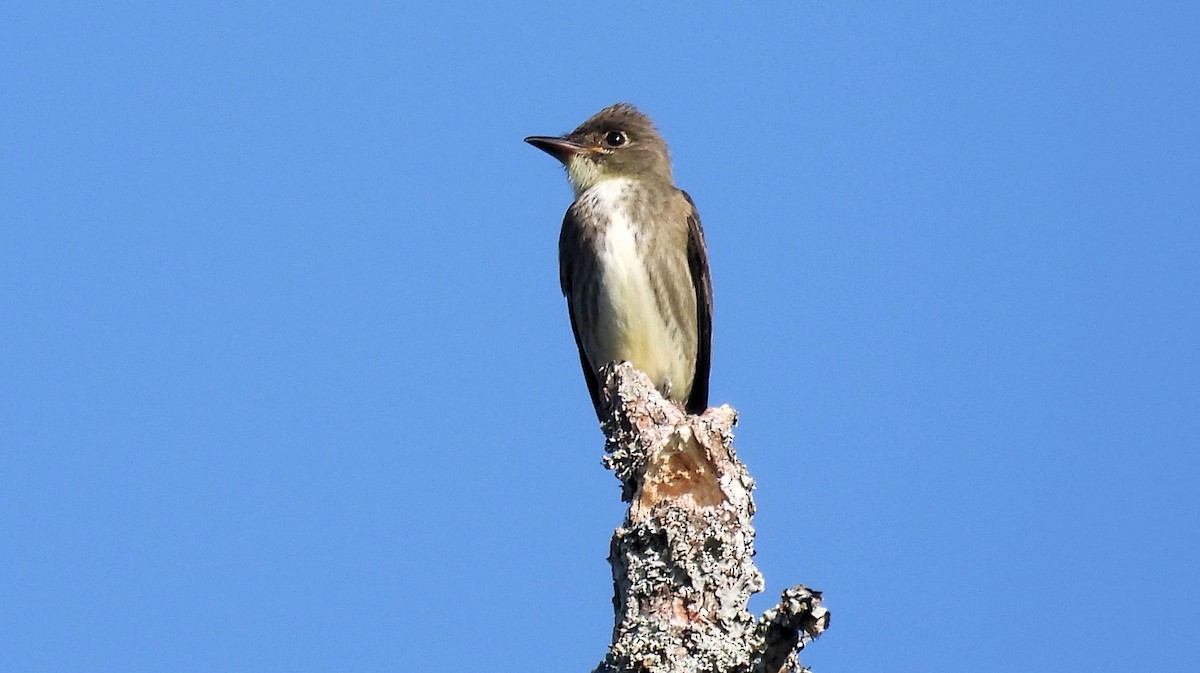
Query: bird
x=633, y=262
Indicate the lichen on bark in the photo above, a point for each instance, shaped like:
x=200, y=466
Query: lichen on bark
x=682, y=560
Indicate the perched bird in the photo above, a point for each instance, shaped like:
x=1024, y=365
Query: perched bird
x=632, y=259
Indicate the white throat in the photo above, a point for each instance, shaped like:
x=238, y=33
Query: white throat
x=583, y=173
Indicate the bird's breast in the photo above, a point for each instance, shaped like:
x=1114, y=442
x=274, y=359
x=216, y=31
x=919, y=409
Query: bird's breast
x=635, y=318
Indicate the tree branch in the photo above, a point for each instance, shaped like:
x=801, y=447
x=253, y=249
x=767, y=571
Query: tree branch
x=682, y=561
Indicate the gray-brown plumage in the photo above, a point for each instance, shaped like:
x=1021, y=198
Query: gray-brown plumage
x=632, y=259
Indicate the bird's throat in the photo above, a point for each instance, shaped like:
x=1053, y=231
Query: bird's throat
x=584, y=173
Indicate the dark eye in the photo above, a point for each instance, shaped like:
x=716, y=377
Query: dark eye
x=614, y=138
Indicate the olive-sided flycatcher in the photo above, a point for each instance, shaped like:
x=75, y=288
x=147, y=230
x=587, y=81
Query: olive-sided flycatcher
x=632, y=259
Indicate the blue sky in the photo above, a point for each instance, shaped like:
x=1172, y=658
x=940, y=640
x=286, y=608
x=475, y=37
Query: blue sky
x=288, y=384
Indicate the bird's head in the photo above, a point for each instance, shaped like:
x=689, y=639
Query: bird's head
x=617, y=142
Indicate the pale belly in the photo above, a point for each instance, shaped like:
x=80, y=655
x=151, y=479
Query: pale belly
x=630, y=324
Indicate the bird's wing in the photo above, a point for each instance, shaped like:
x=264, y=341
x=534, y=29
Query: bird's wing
x=697, y=255
x=570, y=253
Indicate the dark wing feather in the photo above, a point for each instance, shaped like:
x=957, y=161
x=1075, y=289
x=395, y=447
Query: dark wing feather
x=697, y=254
x=569, y=242
x=589, y=376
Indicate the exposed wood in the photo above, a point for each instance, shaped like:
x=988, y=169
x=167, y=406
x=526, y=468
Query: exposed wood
x=683, y=568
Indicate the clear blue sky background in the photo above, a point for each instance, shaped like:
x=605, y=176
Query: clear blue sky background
x=287, y=384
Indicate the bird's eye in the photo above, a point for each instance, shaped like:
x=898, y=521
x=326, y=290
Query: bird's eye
x=614, y=138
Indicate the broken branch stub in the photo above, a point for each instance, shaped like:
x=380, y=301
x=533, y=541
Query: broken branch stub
x=682, y=560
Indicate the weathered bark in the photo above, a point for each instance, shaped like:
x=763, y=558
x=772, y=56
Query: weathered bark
x=682, y=561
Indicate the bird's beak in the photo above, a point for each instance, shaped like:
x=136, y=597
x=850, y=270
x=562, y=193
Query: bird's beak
x=559, y=148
